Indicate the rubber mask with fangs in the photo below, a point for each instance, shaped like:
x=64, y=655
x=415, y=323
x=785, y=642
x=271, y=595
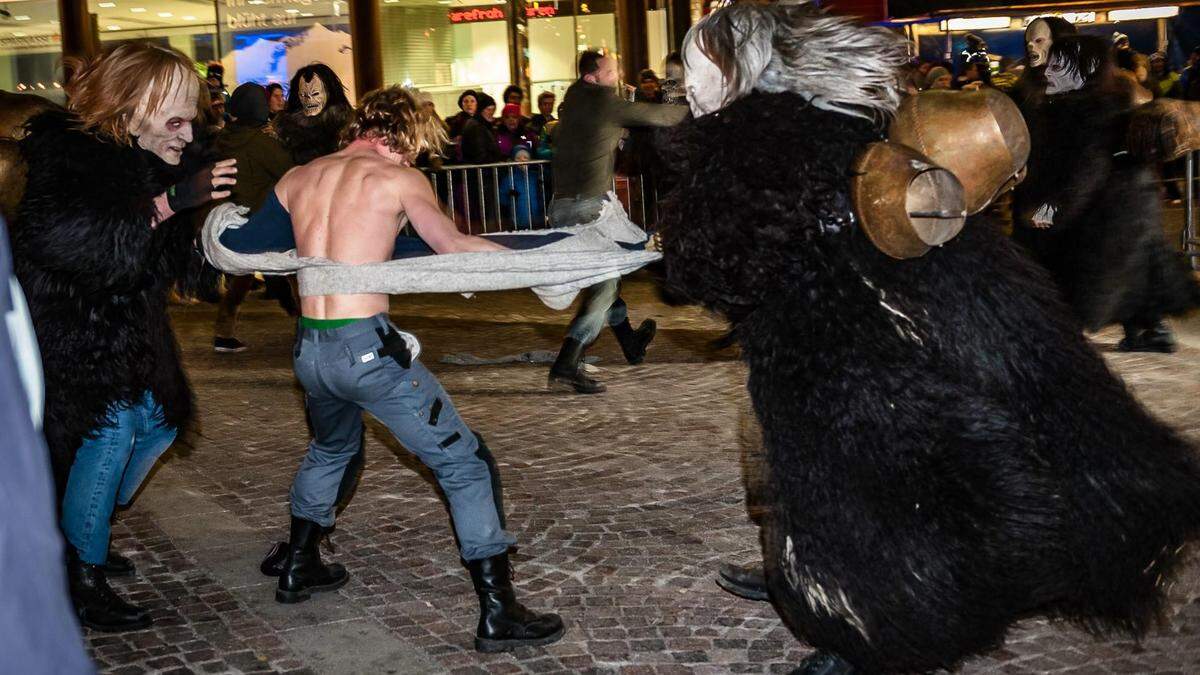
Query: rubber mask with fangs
x=312, y=96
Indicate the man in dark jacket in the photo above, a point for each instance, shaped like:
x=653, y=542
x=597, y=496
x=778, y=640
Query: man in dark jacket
x=262, y=161
x=97, y=248
x=593, y=119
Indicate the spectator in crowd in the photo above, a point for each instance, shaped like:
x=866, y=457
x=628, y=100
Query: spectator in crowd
x=1162, y=80
x=1189, y=79
x=521, y=193
x=220, y=116
x=672, y=86
x=593, y=119
x=276, y=101
x=649, y=88
x=479, y=145
x=514, y=94
x=262, y=160
x=214, y=74
x=976, y=73
x=514, y=131
x=1124, y=51
x=1008, y=75
x=545, y=115
x=467, y=102
x=938, y=78
x=1127, y=76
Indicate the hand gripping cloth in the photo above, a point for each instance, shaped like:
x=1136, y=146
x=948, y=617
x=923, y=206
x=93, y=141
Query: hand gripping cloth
x=556, y=264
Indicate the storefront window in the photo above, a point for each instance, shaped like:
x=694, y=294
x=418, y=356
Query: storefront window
x=189, y=27
x=31, y=48
x=558, y=31
x=267, y=41
x=444, y=47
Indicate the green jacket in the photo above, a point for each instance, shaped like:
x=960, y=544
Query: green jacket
x=261, y=162
x=590, y=127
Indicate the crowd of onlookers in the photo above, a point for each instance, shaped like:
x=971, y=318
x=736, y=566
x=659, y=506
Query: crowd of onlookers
x=976, y=68
x=479, y=136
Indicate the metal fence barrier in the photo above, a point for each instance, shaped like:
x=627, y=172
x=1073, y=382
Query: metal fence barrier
x=513, y=196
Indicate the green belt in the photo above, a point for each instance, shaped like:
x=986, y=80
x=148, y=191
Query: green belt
x=326, y=324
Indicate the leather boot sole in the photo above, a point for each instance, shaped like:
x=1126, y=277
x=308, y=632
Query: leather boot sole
x=651, y=329
x=293, y=597
x=742, y=591
x=490, y=646
x=117, y=628
x=565, y=383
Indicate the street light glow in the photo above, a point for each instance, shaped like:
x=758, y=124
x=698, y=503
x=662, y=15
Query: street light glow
x=1143, y=13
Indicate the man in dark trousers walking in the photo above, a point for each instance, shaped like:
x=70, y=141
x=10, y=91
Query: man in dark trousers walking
x=593, y=119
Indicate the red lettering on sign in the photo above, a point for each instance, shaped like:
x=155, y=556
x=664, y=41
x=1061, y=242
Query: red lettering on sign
x=474, y=15
x=541, y=12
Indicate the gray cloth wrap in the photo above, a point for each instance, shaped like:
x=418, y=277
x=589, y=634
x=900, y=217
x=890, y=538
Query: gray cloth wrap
x=556, y=272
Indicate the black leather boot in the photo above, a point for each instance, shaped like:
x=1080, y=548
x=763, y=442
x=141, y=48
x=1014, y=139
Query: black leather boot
x=634, y=342
x=567, y=370
x=303, y=571
x=117, y=565
x=745, y=582
x=504, y=623
x=1156, y=339
x=825, y=663
x=97, y=605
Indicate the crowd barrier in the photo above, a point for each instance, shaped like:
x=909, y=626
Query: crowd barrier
x=512, y=196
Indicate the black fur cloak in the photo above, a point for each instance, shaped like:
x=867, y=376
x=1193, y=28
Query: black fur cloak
x=946, y=453
x=97, y=277
x=308, y=138
x=1106, y=247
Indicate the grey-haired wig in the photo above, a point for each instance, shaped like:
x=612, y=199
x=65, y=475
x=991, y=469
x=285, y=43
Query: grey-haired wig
x=836, y=63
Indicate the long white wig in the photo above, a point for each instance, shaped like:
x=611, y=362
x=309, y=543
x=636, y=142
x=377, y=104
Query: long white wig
x=834, y=62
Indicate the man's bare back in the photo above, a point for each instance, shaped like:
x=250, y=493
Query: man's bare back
x=349, y=207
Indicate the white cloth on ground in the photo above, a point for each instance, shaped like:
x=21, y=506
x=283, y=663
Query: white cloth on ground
x=556, y=272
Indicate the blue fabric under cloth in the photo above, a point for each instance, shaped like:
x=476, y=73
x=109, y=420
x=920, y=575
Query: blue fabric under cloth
x=270, y=230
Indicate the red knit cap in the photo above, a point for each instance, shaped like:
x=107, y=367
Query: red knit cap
x=511, y=109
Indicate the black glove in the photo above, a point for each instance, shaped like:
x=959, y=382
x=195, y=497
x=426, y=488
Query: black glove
x=194, y=190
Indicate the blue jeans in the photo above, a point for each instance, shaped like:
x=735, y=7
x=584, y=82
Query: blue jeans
x=602, y=303
x=108, y=470
x=343, y=375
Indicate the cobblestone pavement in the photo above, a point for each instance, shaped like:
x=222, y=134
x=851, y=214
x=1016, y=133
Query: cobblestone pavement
x=623, y=505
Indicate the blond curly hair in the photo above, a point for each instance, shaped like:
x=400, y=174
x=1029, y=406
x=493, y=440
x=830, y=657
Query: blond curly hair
x=393, y=115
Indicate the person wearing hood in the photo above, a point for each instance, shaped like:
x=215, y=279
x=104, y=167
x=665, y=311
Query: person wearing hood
x=262, y=161
x=479, y=144
x=938, y=78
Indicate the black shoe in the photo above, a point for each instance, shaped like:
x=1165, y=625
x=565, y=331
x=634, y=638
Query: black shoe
x=272, y=564
x=303, y=572
x=567, y=370
x=634, y=342
x=228, y=345
x=745, y=582
x=824, y=663
x=1156, y=340
x=504, y=623
x=96, y=604
x=118, y=565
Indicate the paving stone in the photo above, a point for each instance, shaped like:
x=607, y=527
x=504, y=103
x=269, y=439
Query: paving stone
x=623, y=505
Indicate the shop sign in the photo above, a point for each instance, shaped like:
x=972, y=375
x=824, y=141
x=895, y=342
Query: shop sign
x=477, y=15
x=17, y=42
x=251, y=14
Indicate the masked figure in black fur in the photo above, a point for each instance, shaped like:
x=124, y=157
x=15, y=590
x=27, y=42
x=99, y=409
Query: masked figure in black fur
x=1040, y=35
x=1090, y=213
x=317, y=111
x=933, y=472
x=97, y=246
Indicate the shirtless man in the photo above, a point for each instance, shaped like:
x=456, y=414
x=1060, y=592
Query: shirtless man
x=349, y=207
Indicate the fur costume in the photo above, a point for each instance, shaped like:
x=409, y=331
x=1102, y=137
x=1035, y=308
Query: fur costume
x=96, y=276
x=1106, y=247
x=946, y=453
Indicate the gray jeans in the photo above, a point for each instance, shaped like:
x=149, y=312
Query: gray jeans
x=343, y=375
x=602, y=303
